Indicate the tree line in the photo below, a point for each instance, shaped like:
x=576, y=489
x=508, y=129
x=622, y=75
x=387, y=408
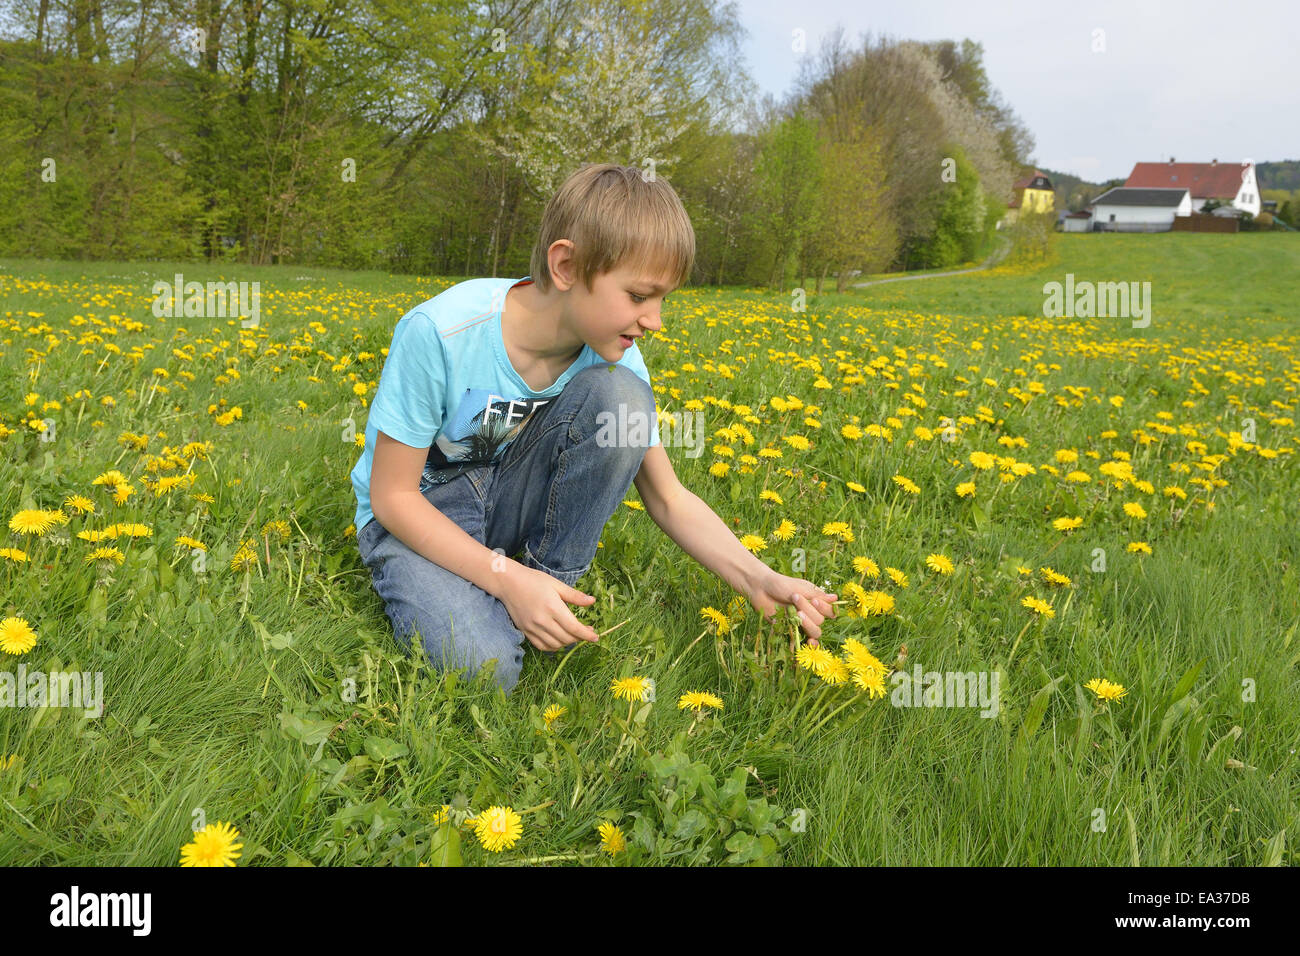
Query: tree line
x=425, y=136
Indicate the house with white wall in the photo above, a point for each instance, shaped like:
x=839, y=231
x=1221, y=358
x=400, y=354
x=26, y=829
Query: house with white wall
x=1232, y=184
x=1125, y=209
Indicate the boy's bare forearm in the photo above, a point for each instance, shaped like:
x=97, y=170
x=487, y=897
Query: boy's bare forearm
x=698, y=531
x=428, y=532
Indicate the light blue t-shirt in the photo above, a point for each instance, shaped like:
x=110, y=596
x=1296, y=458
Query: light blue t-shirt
x=448, y=385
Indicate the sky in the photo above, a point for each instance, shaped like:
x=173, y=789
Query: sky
x=1191, y=79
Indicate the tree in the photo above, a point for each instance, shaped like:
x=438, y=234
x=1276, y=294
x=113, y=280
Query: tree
x=854, y=229
x=959, y=228
x=788, y=179
x=621, y=89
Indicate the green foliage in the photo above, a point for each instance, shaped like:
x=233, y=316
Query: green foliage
x=962, y=223
x=788, y=178
x=1032, y=237
x=689, y=818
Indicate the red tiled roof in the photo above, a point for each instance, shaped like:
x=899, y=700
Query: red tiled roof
x=1204, y=180
x=1021, y=184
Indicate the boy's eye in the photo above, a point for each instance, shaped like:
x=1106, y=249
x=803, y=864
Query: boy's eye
x=638, y=299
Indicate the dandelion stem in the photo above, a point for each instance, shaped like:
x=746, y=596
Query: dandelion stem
x=540, y=806
x=688, y=647
x=1011, y=656
x=626, y=723
x=812, y=711
x=828, y=717
x=781, y=718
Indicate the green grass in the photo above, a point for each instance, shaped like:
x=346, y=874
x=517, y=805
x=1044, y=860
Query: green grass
x=277, y=699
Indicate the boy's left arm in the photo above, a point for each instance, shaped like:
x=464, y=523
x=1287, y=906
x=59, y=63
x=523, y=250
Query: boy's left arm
x=699, y=532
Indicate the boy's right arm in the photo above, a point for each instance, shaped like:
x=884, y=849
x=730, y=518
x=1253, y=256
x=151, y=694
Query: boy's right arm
x=534, y=599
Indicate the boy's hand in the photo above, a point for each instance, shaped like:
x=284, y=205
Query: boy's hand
x=769, y=589
x=535, y=601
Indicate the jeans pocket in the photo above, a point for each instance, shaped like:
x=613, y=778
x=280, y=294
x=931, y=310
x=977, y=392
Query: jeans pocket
x=481, y=479
x=364, y=542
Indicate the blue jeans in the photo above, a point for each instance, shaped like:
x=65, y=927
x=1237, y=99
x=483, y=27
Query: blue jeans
x=548, y=496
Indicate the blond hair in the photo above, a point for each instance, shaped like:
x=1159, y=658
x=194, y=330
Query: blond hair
x=615, y=217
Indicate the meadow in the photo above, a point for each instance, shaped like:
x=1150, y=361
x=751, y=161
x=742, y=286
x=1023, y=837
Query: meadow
x=1098, y=520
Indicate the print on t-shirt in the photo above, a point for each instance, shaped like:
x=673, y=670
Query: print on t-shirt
x=478, y=433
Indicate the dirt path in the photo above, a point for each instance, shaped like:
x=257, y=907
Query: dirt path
x=997, y=256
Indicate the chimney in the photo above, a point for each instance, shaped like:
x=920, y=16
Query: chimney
x=1171, y=160
x=1214, y=162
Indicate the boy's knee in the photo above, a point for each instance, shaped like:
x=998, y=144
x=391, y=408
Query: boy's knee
x=507, y=654
x=613, y=385
x=620, y=399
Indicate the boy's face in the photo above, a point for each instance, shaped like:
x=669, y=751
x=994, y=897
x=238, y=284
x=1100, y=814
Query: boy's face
x=622, y=306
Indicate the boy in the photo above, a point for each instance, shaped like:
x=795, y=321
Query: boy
x=488, y=436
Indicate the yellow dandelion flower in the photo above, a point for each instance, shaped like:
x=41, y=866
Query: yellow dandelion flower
x=753, y=543
x=1104, y=689
x=873, y=682
x=696, y=700
x=766, y=495
x=1054, y=577
x=31, y=521
x=630, y=688
x=1067, y=524
x=897, y=576
x=498, y=828
x=611, y=839
x=966, y=489
x=906, y=484
x=720, y=621
x=838, y=529
x=785, y=530
x=1134, y=510
x=106, y=554
x=214, y=845
x=80, y=504
x=938, y=563
x=864, y=565
x=16, y=636
x=837, y=672
x=982, y=460
x=1138, y=546
x=854, y=486
x=877, y=603
x=554, y=713
x=1038, y=607
x=816, y=659
x=858, y=658
x=111, y=477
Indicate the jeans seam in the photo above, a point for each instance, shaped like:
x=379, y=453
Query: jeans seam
x=548, y=524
